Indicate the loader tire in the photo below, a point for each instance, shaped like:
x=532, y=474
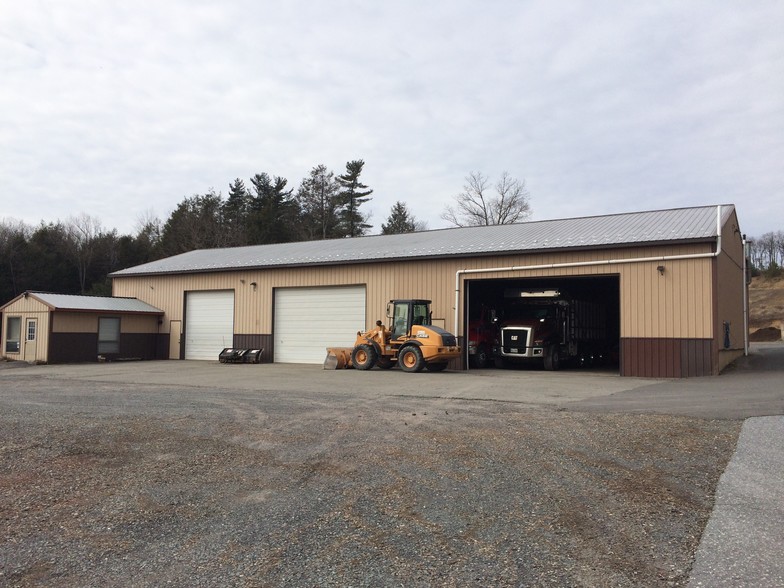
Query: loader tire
x=385, y=363
x=364, y=357
x=439, y=366
x=410, y=359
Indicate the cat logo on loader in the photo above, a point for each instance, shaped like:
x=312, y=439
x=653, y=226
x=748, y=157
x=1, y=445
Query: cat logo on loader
x=413, y=343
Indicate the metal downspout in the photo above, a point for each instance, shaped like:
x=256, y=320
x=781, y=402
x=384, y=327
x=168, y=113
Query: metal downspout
x=461, y=272
x=745, y=301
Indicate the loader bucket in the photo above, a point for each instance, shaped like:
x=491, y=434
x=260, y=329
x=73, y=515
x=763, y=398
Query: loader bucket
x=338, y=358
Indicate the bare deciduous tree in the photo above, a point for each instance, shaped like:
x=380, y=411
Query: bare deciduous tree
x=477, y=206
x=82, y=232
x=318, y=198
x=767, y=251
x=148, y=226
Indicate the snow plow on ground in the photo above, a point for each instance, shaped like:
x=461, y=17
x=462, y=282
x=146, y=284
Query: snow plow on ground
x=413, y=343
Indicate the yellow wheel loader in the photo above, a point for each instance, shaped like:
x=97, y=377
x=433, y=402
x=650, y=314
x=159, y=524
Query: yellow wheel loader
x=413, y=342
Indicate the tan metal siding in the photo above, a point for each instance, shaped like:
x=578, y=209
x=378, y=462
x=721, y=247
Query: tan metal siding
x=133, y=323
x=672, y=304
x=24, y=305
x=25, y=308
x=87, y=322
x=74, y=322
x=731, y=284
x=677, y=304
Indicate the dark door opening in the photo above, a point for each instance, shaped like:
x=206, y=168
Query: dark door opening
x=551, y=323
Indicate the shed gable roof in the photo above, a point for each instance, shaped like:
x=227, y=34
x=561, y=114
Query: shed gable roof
x=69, y=302
x=635, y=228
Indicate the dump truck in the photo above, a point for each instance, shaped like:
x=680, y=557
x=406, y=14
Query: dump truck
x=481, y=337
x=551, y=327
x=413, y=342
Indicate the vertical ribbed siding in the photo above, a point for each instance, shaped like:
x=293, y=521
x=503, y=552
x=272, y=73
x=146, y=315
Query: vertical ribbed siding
x=730, y=288
x=667, y=358
x=25, y=308
x=674, y=305
x=668, y=326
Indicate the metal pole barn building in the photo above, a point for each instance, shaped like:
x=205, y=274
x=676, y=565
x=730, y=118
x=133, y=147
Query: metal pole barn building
x=673, y=283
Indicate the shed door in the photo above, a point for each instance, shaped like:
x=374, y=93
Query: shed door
x=308, y=320
x=31, y=340
x=209, y=323
x=175, y=332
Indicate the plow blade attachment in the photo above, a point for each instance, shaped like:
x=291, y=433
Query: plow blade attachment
x=338, y=358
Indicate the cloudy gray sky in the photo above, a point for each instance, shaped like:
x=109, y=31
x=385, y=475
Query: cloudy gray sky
x=117, y=109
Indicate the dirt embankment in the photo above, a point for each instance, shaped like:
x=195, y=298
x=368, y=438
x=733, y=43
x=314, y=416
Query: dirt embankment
x=766, y=308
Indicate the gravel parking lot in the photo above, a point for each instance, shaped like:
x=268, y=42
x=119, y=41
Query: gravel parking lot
x=119, y=481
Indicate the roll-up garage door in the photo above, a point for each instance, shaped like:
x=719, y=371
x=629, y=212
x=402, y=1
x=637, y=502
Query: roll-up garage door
x=209, y=323
x=308, y=320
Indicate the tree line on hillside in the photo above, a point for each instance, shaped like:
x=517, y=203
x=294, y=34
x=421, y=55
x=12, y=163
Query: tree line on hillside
x=766, y=253
x=75, y=256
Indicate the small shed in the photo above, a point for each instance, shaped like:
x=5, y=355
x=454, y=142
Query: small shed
x=40, y=327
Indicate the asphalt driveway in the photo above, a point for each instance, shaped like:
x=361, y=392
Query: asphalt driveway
x=751, y=387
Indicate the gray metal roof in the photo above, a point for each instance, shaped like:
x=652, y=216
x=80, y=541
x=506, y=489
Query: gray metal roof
x=635, y=228
x=94, y=303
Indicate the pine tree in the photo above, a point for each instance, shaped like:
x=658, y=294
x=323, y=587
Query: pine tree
x=399, y=221
x=235, y=213
x=353, y=194
x=274, y=211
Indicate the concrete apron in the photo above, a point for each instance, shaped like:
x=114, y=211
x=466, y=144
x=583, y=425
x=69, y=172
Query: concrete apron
x=743, y=540
x=527, y=387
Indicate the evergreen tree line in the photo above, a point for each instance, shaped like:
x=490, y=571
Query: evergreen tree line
x=324, y=206
x=75, y=256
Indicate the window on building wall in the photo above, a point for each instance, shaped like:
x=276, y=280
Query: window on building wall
x=108, y=335
x=13, y=334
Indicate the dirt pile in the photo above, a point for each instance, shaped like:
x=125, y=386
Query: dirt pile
x=766, y=308
x=766, y=334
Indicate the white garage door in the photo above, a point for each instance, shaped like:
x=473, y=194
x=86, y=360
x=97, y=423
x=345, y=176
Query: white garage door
x=308, y=320
x=209, y=324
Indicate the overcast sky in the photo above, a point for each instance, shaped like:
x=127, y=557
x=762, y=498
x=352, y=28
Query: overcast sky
x=118, y=109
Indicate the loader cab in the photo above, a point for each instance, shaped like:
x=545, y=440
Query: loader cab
x=403, y=314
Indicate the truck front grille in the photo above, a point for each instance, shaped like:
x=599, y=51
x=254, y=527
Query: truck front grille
x=514, y=340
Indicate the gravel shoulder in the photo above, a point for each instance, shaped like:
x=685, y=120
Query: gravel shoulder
x=109, y=483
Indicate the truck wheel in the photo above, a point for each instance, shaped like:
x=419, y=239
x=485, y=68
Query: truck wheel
x=384, y=362
x=480, y=359
x=439, y=366
x=501, y=363
x=552, y=359
x=364, y=357
x=410, y=359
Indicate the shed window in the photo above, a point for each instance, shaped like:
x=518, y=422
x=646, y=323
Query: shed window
x=13, y=334
x=108, y=335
